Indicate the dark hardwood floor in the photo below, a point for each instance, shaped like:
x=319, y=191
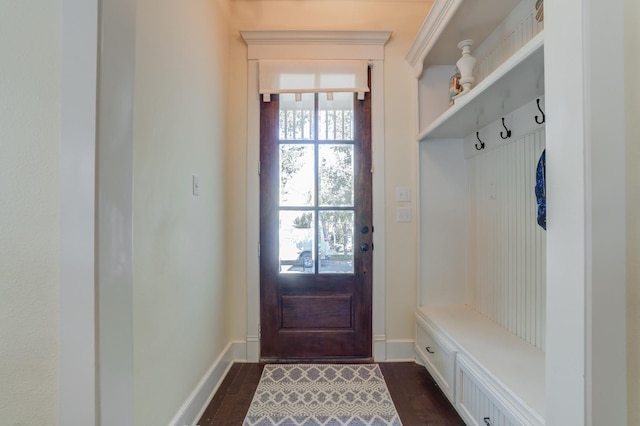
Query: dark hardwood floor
x=417, y=398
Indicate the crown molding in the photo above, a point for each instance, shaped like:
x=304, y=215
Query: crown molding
x=262, y=37
x=320, y=45
x=430, y=31
x=365, y=1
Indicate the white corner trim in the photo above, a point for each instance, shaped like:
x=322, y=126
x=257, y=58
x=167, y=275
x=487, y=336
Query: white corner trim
x=198, y=400
x=434, y=24
x=77, y=288
x=400, y=351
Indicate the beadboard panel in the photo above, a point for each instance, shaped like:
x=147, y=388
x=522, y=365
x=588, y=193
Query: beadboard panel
x=507, y=248
x=513, y=33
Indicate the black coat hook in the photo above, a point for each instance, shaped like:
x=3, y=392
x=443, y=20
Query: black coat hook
x=502, y=135
x=541, y=111
x=481, y=146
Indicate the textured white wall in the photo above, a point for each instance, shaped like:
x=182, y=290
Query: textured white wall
x=632, y=70
x=180, y=115
x=29, y=211
x=403, y=19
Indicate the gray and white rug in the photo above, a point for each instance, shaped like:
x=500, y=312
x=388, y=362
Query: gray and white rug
x=322, y=395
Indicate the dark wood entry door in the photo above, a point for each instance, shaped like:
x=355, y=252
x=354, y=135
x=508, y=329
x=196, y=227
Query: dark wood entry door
x=315, y=227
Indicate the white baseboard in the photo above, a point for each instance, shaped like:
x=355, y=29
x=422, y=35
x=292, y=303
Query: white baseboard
x=400, y=351
x=197, y=402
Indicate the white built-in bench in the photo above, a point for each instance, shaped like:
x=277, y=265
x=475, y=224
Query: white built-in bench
x=490, y=375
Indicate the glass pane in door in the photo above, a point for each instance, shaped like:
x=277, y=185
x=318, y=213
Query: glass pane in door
x=335, y=170
x=297, y=117
x=335, y=117
x=297, y=232
x=335, y=241
x=297, y=175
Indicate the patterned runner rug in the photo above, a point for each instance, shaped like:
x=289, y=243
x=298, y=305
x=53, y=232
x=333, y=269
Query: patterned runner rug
x=322, y=395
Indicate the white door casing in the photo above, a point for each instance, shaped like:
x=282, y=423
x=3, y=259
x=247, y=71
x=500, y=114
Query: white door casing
x=368, y=45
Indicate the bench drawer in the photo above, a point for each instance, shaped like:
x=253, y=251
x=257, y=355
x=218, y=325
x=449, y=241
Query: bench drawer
x=479, y=403
x=438, y=356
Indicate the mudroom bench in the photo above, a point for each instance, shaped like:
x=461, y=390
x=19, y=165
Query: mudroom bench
x=491, y=376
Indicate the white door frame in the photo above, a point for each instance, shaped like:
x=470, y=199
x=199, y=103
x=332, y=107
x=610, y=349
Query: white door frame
x=368, y=45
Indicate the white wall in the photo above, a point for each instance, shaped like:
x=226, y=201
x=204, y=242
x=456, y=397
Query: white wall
x=29, y=210
x=400, y=156
x=179, y=250
x=403, y=19
x=632, y=104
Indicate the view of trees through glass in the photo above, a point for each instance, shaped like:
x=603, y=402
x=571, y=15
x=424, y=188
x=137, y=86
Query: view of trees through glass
x=316, y=183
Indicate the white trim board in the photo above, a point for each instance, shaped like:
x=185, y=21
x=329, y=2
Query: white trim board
x=585, y=352
x=201, y=396
x=77, y=403
x=114, y=199
x=367, y=45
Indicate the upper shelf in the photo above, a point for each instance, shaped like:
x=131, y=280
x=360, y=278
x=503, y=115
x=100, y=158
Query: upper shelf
x=514, y=83
x=450, y=21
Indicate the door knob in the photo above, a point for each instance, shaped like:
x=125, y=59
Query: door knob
x=364, y=247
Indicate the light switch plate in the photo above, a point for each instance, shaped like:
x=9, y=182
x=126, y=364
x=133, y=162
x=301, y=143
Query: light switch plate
x=403, y=214
x=403, y=193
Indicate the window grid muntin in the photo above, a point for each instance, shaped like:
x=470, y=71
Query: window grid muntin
x=316, y=141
